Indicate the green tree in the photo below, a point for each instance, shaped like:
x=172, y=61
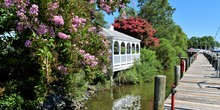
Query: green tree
x=159, y=13
x=166, y=54
x=99, y=20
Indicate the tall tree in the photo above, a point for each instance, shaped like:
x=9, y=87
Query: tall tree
x=159, y=13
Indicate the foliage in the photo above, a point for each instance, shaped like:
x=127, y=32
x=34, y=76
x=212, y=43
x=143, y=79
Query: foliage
x=128, y=77
x=99, y=19
x=138, y=28
x=205, y=42
x=6, y=20
x=143, y=70
x=180, y=38
x=75, y=84
x=166, y=54
x=54, y=46
x=158, y=12
x=11, y=102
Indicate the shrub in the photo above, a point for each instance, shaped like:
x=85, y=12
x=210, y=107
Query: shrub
x=128, y=77
x=143, y=70
x=55, y=42
x=166, y=54
x=11, y=102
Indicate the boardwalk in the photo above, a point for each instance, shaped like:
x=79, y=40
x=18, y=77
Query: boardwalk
x=199, y=89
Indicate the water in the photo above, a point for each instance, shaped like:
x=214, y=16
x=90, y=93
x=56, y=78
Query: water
x=130, y=97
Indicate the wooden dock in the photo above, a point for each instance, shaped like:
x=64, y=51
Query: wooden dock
x=199, y=89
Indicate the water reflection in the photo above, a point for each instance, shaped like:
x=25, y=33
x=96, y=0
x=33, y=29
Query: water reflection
x=129, y=102
x=137, y=97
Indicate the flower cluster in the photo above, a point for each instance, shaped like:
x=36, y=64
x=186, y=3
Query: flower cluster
x=58, y=20
x=76, y=22
x=34, y=9
x=89, y=59
x=92, y=29
x=63, y=36
x=139, y=28
x=109, y=5
x=28, y=43
x=53, y=6
x=42, y=29
x=62, y=69
x=105, y=42
x=105, y=7
x=8, y=3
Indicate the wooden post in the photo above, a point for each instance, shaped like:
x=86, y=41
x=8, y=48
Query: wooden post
x=176, y=75
x=188, y=63
x=215, y=65
x=182, y=66
x=159, y=92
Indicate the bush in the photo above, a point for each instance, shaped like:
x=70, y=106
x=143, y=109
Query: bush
x=166, y=54
x=11, y=102
x=143, y=70
x=128, y=77
x=75, y=84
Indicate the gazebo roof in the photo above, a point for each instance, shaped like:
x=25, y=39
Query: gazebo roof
x=115, y=35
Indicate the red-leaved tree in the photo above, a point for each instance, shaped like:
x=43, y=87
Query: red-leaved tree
x=138, y=28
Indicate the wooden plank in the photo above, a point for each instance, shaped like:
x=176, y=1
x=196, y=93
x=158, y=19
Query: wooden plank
x=199, y=89
x=185, y=105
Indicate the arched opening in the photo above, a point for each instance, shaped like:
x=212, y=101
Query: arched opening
x=133, y=48
x=137, y=48
x=116, y=48
x=123, y=49
x=128, y=48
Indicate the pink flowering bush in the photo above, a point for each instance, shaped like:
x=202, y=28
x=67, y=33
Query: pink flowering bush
x=56, y=43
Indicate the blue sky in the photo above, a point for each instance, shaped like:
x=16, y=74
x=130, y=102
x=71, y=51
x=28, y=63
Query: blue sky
x=196, y=17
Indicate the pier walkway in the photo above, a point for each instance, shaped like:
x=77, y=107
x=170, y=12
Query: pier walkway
x=199, y=89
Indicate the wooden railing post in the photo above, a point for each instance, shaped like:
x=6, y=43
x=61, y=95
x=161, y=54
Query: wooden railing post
x=182, y=66
x=176, y=75
x=159, y=92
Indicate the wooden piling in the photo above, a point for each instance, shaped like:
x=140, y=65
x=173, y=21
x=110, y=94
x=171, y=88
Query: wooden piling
x=176, y=75
x=159, y=92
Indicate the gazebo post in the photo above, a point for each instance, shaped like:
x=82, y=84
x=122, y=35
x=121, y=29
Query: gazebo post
x=112, y=54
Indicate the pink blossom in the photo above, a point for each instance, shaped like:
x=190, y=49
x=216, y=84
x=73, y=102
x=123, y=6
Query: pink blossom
x=28, y=43
x=42, y=29
x=106, y=8
x=53, y=6
x=92, y=1
x=90, y=60
x=8, y=3
x=76, y=22
x=51, y=31
x=81, y=51
x=58, y=20
x=63, y=69
x=111, y=1
x=34, y=9
x=20, y=14
x=63, y=36
x=122, y=6
x=91, y=29
x=20, y=26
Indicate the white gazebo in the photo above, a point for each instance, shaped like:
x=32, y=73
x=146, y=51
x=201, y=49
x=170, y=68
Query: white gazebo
x=124, y=49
